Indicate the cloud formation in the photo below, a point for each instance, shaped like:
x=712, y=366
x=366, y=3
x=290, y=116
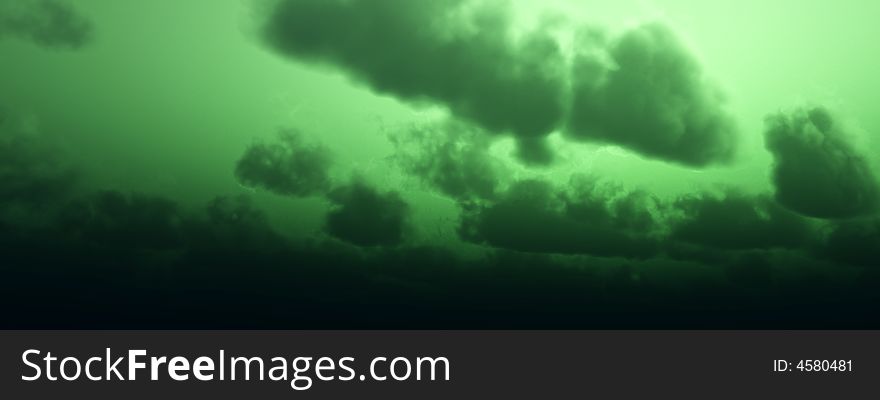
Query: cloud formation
x=30, y=175
x=460, y=53
x=363, y=216
x=48, y=23
x=853, y=242
x=123, y=221
x=648, y=94
x=289, y=167
x=580, y=254
x=738, y=222
x=162, y=262
x=532, y=216
x=817, y=171
x=451, y=158
x=643, y=90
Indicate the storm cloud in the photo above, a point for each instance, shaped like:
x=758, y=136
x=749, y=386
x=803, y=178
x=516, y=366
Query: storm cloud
x=737, y=221
x=31, y=174
x=166, y=265
x=364, y=216
x=534, y=249
x=461, y=54
x=123, y=221
x=853, y=242
x=291, y=166
x=648, y=94
x=533, y=216
x=449, y=157
x=48, y=23
x=643, y=90
x=818, y=172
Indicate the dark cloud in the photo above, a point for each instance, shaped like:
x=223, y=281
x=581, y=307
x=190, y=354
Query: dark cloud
x=115, y=260
x=452, y=158
x=363, y=216
x=605, y=204
x=532, y=216
x=853, y=242
x=751, y=271
x=653, y=98
x=458, y=53
x=738, y=222
x=817, y=171
x=290, y=167
x=586, y=256
x=236, y=226
x=124, y=221
x=48, y=23
x=30, y=173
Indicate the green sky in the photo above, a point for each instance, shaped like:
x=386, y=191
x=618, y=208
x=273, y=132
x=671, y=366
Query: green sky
x=169, y=92
x=671, y=99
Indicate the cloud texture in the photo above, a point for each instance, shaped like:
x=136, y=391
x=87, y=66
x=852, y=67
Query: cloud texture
x=651, y=97
x=290, y=166
x=456, y=53
x=466, y=55
x=48, y=23
x=817, y=171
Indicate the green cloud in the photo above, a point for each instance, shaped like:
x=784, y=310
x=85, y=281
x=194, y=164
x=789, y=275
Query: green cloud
x=123, y=222
x=48, y=23
x=653, y=98
x=363, y=216
x=738, y=222
x=290, y=166
x=817, y=171
x=457, y=53
x=450, y=157
x=532, y=216
x=234, y=227
x=30, y=172
x=854, y=242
